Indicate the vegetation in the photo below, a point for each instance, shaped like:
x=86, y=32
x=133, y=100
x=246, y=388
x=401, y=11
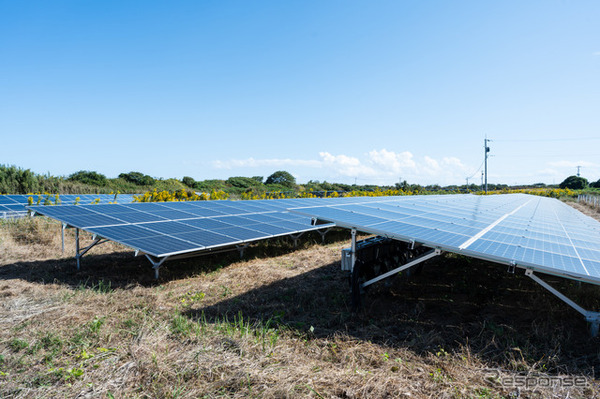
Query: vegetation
x=282, y=178
x=137, y=178
x=574, y=183
x=278, y=324
x=280, y=184
x=89, y=177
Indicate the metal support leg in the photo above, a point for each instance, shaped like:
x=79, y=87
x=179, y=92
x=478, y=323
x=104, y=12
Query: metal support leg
x=156, y=265
x=241, y=248
x=79, y=254
x=593, y=318
x=355, y=273
x=77, y=247
x=295, y=237
x=322, y=233
x=64, y=226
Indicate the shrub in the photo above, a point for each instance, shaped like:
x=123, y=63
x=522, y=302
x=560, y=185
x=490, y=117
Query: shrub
x=138, y=178
x=89, y=177
x=574, y=183
x=242, y=182
x=189, y=181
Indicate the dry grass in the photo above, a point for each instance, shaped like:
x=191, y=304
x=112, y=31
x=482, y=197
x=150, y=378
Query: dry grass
x=275, y=324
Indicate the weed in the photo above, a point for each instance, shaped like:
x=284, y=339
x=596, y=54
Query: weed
x=181, y=325
x=95, y=325
x=226, y=291
x=18, y=344
x=189, y=298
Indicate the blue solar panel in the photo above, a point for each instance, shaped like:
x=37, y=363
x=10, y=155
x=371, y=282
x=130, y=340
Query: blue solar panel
x=138, y=217
x=208, y=239
x=274, y=230
x=16, y=203
x=162, y=245
x=169, y=227
x=189, y=226
x=206, y=223
x=123, y=232
x=534, y=232
x=241, y=233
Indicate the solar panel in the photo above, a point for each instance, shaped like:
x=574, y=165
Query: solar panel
x=169, y=228
x=14, y=204
x=539, y=233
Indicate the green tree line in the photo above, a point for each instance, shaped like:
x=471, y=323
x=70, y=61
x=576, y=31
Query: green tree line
x=16, y=180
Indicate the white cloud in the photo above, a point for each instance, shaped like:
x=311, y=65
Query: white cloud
x=395, y=163
x=345, y=165
x=377, y=166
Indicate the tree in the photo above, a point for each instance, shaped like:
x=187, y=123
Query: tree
x=283, y=178
x=189, y=181
x=595, y=184
x=241, y=182
x=89, y=177
x=574, y=183
x=138, y=178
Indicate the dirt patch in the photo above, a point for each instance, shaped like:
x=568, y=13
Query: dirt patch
x=586, y=209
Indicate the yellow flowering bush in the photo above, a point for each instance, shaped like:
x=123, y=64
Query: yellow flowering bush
x=179, y=195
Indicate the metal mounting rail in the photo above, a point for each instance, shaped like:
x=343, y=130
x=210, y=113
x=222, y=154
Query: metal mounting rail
x=431, y=254
x=356, y=266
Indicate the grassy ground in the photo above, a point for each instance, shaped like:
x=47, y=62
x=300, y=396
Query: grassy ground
x=278, y=324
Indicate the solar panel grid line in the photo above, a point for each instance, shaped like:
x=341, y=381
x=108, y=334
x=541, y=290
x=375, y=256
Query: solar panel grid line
x=488, y=228
x=572, y=245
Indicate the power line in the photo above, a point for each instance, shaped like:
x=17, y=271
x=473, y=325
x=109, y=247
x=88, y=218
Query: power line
x=477, y=171
x=547, y=140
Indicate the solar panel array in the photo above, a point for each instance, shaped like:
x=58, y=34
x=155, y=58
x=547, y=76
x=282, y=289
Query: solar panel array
x=540, y=233
x=171, y=228
x=16, y=203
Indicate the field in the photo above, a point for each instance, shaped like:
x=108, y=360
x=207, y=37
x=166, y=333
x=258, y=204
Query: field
x=278, y=324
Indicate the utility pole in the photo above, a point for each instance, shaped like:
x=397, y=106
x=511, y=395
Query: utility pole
x=578, y=168
x=482, y=179
x=486, y=149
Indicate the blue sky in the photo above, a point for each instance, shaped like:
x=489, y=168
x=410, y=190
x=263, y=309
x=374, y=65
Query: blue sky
x=342, y=91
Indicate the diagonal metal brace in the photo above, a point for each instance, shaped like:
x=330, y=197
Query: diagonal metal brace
x=322, y=233
x=79, y=253
x=431, y=254
x=296, y=237
x=591, y=317
x=156, y=265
